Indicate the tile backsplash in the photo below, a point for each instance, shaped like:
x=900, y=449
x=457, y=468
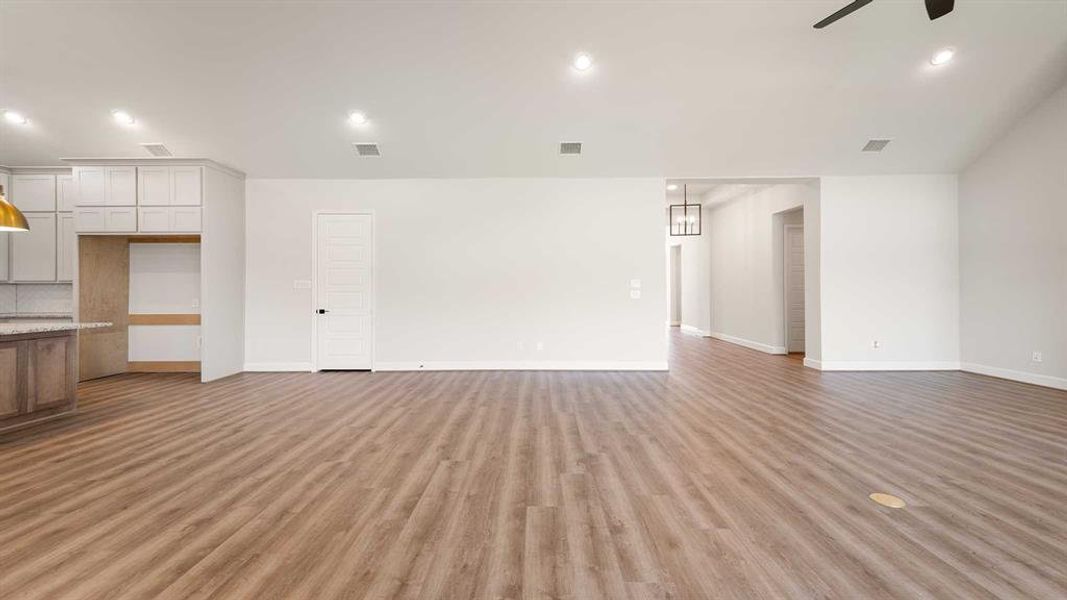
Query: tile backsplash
x=37, y=299
x=7, y=299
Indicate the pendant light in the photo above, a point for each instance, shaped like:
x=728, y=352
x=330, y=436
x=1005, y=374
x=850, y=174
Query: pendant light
x=11, y=218
x=684, y=217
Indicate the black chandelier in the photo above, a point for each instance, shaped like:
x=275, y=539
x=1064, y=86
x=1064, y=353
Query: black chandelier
x=685, y=217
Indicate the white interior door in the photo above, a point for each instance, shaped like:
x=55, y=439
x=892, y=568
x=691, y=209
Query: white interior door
x=794, y=287
x=345, y=291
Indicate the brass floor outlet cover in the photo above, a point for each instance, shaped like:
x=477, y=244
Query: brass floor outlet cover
x=888, y=500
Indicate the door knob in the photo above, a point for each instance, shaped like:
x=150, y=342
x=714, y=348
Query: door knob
x=322, y=311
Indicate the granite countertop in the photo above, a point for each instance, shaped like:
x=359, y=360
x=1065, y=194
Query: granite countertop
x=26, y=315
x=46, y=326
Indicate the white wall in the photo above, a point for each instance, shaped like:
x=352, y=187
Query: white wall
x=745, y=264
x=889, y=272
x=472, y=273
x=222, y=265
x=1013, y=251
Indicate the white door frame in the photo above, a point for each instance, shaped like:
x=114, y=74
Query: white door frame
x=315, y=282
x=785, y=283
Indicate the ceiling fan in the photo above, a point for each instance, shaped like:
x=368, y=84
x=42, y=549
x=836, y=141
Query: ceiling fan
x=934, y=8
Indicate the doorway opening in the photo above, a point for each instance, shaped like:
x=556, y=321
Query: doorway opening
x=790, y=234
x=675, y=269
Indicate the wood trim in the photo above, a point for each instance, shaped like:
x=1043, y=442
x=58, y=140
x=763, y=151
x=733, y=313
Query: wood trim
x=165, y=319
x=164, y=366
x=164, y=239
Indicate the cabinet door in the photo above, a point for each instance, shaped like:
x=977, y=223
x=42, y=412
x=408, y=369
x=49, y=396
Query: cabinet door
x=34, y=192
x=121, y=186
x=90, y=220
x=66, y=193
x=33, y=253
x=91, y=186
x=153, y=186
x=10, y=394
x=121, y=219
x=187, y=186
x=185, y=219
x=3, y=256
x=153, y=219
x=66, y=247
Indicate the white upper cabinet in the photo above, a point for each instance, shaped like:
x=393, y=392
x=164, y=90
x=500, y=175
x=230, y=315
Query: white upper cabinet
x=185, y=219
x=34, y=193
x=66, y=193
x=91, y=186
x=153, y=219
x=187, y=186
x=169, y=219
x=121, y=220
x=66, y=247
x=153, y=186
x=105, y=186
x=33, y=253
x=121, y=186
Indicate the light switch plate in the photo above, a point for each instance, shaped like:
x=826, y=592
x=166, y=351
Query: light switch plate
x=635, y=283
x=301, y=284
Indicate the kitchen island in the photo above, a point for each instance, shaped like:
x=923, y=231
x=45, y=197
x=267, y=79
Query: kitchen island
x=38, y=370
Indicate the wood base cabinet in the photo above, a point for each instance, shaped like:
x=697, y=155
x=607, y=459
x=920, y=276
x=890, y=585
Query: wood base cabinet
x=38, y=377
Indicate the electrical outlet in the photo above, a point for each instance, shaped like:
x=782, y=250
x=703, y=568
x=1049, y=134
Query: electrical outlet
x=1037, y=357
x=876, y=344
x=635, y=294
x=540, y=346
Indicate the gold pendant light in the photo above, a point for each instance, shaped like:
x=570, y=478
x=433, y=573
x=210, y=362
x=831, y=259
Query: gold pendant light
x=11, y=218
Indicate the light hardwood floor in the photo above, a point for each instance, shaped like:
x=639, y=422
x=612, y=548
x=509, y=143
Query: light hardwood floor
x=736, y=475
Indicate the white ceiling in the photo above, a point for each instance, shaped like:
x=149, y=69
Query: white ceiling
x=726, y=89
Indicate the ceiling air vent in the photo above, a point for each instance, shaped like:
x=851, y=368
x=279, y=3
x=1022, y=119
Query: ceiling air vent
x=876, y=145
x=157, y=149
x=570, y=148
x=367, y=150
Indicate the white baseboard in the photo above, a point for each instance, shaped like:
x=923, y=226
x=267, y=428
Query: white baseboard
x=524, y=365
x=882, y=365
x=691, y=330
x=769, y=349
x=270, y=367
x=1058, y=383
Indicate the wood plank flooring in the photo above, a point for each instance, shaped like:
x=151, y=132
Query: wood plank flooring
x=736, y=475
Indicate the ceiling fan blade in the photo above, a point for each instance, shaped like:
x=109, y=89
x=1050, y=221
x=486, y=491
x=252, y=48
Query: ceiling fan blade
x=939, y=8
x=847, y=10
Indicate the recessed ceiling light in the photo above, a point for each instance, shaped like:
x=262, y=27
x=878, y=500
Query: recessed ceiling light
x=943, y=56
x=357, y=118
x=582, y=62
x=17, y=118
x=122, y=117
x=671, y=187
